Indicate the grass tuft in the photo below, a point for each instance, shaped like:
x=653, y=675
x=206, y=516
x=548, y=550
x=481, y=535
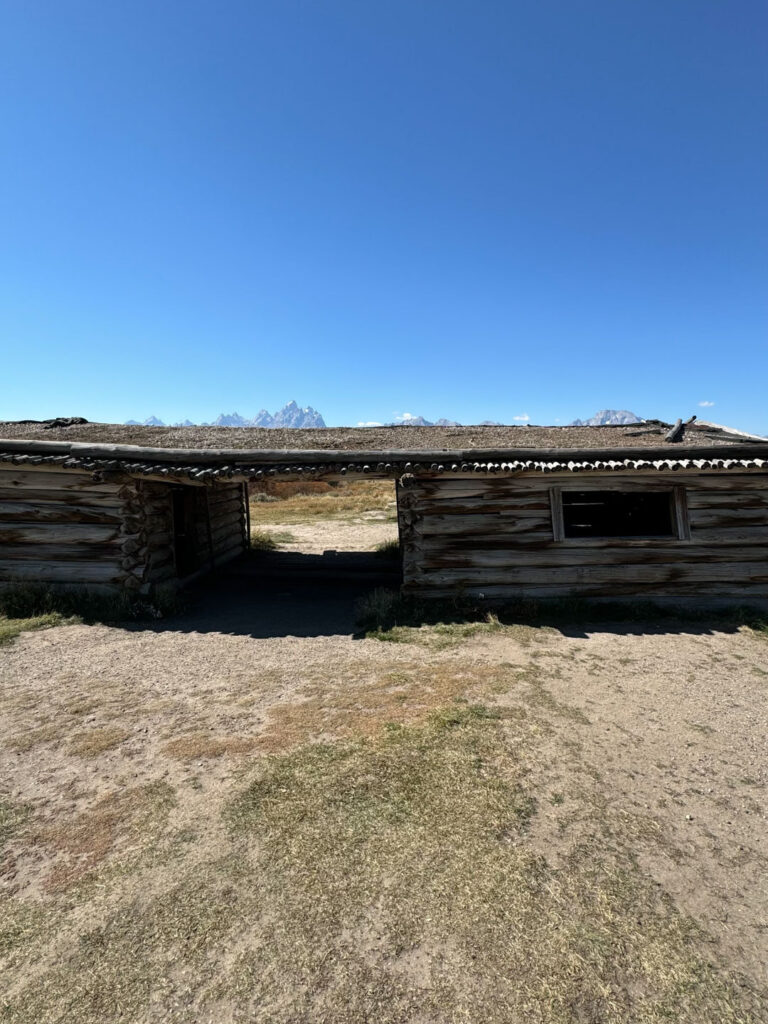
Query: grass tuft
x=270, y=540
x=10, y=628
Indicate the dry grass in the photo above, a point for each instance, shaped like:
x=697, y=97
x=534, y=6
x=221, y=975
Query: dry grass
x=29, y=738
x=201, y=745
x=82, y=843
x=270, y=540
x=347, y=501
x=388, y=879
x=93, y=742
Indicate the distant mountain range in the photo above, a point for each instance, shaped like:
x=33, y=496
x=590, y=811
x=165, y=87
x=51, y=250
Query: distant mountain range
x=608, y=418
x=292, y=415
x=419, y=421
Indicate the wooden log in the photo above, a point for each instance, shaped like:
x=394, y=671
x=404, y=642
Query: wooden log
x=32, y=512
x=61, y=552
x=472, y=525
x=727, y=499
x=52, y=481
x=45, y=498
x=729, y=572
x=37, y=571
x=616, y=589
x=631, y=480
x=731, y=535
x=728, y=517
x=57, y=533
x=230, y=520
x=579, y=557
x=236, y=456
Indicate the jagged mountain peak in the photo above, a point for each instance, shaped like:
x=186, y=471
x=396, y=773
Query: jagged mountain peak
x=291, y=415
x=608, y=418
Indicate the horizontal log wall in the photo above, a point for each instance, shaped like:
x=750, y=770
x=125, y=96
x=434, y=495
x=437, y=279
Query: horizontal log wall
x=494, y=536
x=219, y=527
x=62, y=527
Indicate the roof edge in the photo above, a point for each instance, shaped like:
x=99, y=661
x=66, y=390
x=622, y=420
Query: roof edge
x=210, y=456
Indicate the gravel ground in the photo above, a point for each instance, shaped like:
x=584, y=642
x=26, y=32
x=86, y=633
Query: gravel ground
x=661, y=726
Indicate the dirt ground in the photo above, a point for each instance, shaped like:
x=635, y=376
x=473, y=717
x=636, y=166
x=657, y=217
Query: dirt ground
x=364, y=533
x=119, y=742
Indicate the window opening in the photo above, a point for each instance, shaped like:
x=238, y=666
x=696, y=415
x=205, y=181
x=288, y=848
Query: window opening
x=618, y=514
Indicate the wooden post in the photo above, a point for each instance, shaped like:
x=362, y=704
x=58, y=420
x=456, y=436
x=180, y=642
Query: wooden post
x=247, y=514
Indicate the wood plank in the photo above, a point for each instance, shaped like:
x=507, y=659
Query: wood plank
x=47, y=496
x=48, y=478
x=728, y=535
x=62, y=552
x=34, y=512
x=727, y=517
x=60, y=572
x=617, y=589
x=557, y=555
x=729, y=572
x=474, y=484
x=727, y=499
x=57, y=533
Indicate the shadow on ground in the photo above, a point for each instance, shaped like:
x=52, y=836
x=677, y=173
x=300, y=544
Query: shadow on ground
x=318, y=597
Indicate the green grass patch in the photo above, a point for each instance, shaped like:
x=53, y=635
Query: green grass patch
x=11, y=628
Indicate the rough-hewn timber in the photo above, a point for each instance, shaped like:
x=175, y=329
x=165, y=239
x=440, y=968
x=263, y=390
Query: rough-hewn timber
x=60, y=526
x=495, y=537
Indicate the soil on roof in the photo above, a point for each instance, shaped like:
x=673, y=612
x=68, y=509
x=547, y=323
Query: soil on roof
x=637, y=435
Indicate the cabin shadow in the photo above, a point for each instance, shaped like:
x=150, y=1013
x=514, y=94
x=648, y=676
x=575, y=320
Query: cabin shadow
x=297, y=595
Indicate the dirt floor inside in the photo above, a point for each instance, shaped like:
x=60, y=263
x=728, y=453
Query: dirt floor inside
x=123, y=750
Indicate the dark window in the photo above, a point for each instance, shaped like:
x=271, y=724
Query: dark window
x=618, y=514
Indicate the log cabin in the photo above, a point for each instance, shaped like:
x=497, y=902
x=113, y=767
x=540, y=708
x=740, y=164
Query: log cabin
x=493, y=513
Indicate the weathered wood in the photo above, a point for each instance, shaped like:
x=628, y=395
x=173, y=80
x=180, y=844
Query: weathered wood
x=576, y=557
x=57, y=533
x=234, y=456
x=33, y=512
x=61, y=552
x=625, y=481
x=476, y=534
x=706, y=499
x=50, y=480
x=39, y=571
x=616, y=589
x=44, y=498
x=576, y=574
x=724, y=518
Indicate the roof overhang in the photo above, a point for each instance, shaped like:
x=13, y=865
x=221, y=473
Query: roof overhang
x=207, y=465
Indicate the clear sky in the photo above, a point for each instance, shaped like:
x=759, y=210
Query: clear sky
x=477, y=209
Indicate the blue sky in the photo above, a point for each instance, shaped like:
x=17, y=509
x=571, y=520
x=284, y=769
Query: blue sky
x=478, y=210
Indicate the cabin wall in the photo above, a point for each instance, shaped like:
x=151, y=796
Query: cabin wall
x=493, y=536
x=59, y=526
x=216, y=521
